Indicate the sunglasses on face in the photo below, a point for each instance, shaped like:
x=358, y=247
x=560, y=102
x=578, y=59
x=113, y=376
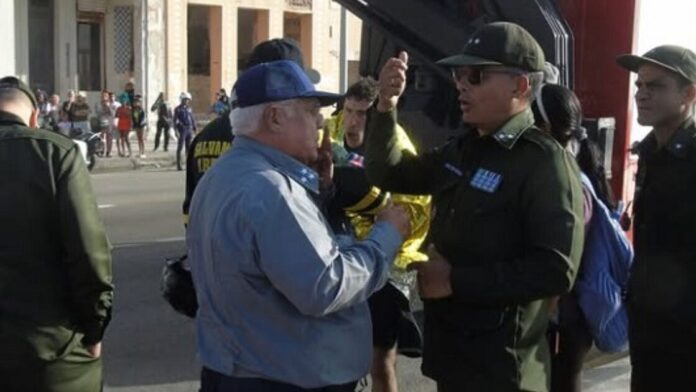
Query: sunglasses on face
x=475, y=75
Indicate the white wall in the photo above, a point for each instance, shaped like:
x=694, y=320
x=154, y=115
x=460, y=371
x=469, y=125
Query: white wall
x=663, y=22
x=65, y=42
x=8, y=61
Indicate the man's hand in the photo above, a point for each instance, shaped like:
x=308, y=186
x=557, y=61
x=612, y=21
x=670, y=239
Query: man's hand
x=94, y=350
x=433, y=275
x=397, y=216
x=324, y=165
x=392, y=82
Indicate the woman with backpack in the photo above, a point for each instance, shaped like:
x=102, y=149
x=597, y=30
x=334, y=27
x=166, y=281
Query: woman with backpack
x=557, y=111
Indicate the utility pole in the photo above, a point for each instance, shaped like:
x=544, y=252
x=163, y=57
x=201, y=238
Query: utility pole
x=342, y=55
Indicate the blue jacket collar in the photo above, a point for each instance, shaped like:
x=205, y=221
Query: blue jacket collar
x=286, y=164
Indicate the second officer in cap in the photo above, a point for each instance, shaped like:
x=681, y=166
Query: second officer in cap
x=662, y=285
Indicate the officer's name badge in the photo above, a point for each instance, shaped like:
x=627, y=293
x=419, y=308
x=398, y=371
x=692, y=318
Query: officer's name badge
x=486, y=180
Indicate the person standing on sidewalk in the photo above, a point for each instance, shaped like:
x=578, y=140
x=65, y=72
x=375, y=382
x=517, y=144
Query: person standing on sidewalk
x=125, y=125
x=105, y=115
x=80, y=114
x=55, y=258
x=662, y=283
x=164, y=120
x=139, y=124
x=113, y=126
x=185, y=125
x=66, y=111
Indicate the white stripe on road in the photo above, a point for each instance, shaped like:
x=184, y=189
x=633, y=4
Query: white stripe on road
x=156, y=241
x=106, y=206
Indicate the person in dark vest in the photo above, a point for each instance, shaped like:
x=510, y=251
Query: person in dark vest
x=216, y=137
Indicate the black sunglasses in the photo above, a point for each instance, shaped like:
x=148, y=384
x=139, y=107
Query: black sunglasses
x=475, y=75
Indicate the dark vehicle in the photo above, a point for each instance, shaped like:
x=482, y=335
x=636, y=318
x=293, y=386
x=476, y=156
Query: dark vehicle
x=580, y=37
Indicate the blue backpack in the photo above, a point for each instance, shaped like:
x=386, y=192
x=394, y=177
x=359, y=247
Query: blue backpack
x=603, y=276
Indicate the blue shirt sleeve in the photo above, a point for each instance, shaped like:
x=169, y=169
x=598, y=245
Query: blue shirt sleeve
x=301, y=257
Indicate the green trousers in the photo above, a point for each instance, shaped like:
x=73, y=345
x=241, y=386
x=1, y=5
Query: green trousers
x=75, y=372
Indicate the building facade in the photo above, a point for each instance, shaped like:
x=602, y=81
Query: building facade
x=165, y=46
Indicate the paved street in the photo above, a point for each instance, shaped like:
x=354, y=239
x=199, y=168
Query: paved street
x=149, y=347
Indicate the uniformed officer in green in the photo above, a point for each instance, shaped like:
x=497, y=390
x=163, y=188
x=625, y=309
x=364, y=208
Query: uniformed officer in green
x=662, y=284
x=55, y=259
x=507, y=231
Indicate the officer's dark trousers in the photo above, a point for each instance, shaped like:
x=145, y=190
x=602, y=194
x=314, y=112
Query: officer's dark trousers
x=663, y=353
x=185, y=137
x=162, y=127
x=75, y=372
x=212, y=381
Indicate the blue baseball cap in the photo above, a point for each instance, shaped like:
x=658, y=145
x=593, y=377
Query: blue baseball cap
x=277, y=81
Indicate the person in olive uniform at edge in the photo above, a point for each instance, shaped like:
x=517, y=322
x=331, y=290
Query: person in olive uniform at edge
x=662, y=284
x=507, y=232
x=216, y=137
x=55, y=258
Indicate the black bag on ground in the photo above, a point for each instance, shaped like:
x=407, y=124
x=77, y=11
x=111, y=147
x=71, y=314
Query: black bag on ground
x=177, y=287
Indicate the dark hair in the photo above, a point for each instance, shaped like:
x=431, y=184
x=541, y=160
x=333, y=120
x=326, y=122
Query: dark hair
x=364, y=89
x=560, y=108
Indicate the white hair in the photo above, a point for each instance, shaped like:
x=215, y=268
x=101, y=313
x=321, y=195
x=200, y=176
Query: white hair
x=246, y=120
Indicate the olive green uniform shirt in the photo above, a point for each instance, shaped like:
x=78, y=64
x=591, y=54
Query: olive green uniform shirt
x=55, y=259
x=508, y=217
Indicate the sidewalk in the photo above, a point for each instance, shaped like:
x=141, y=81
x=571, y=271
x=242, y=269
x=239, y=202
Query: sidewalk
x=152, y=160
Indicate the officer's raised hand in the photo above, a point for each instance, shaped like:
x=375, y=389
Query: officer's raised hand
x=433, y=275
x=392, y=82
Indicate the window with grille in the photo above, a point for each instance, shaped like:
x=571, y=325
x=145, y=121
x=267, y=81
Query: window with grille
x=123, y=40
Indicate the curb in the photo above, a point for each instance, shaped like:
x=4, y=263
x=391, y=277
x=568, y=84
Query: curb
x=110, y=165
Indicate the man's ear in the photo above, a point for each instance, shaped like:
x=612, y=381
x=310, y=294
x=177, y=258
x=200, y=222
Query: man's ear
x=273, y=118
x=523, y=87
x=689, y=94
x=34, y=119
